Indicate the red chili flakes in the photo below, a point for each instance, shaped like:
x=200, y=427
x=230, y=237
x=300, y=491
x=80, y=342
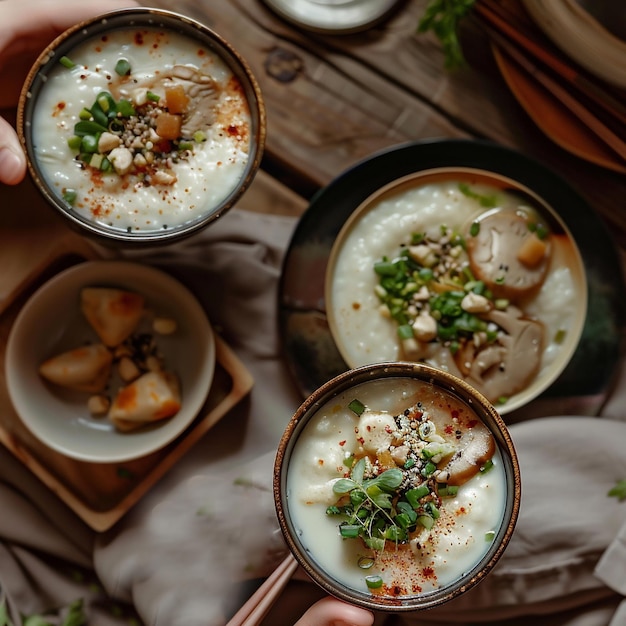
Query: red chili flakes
x=58, y=108
x=342, y=443
x=455, y=414
x=428, y=573
x=461, y=510
x=449, y=429
x=233, y=131
x=472, y=423
x=104, y=38
x=320, y=462
x=201, y=52
x=356, y=306
x=139, y=38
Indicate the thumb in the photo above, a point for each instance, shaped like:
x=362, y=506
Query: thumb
x=332, y=612
x=12, y=159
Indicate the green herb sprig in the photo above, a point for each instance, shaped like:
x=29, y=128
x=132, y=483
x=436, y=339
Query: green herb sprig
x=443, y=17
x=618, y=491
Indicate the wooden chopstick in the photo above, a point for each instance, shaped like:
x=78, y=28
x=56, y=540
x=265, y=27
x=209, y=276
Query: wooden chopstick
x=608, y=137
x=262, y=600
x=518, y=31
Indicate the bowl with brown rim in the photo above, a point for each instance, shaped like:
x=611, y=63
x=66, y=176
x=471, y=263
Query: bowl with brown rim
x=397, y=486
x=141, y=126
x=464, y=269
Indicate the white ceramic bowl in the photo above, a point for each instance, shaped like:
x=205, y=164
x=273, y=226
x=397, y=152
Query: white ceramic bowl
x=388, y=218
x=51, y=322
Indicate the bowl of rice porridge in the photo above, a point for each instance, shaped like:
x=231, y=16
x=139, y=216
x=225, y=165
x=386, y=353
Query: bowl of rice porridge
x=141, y=126
x=397, y=486
x=465, y=270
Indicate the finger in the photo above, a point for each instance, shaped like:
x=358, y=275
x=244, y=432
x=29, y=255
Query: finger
x=12, y=159
x=22, y=38
x=45, y=19
x=332, y=612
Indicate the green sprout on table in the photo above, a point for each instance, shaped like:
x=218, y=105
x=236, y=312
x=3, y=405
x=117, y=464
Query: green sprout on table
x=618, y=491
x=443, y=17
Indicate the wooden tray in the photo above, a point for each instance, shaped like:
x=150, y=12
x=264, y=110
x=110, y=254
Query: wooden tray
x=100, y=494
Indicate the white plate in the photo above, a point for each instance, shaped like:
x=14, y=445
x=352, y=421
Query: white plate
x=334, y=16
x=51, y=322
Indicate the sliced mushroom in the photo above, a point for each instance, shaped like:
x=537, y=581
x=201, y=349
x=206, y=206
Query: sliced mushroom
x=475, y=448
x=494, y=255
x=507, y=367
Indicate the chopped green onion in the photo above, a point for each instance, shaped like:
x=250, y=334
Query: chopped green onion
x=559, y=337
x=67, y=62
x=152, y=97
x=374, y=582
x=199, y=136
x=428, y=469
x=487, y=465
x=474, y=229
x=89, y=144
x=85, y=114
x=96, y=161
x=333, y=510
x=88, y=128
x=69, y=195
x=426, y=521
x=405, y=331
x=349, y=531
x=122, y=67
x=413, y=496
x=447, y=491
x=365, y=562
x=356, y=406
x=490, y=535
x=125, y=108
x=74, y=142
x=185, y=145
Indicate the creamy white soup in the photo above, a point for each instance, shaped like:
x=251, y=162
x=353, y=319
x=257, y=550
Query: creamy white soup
x=396, y=488
x=142, y=129
x=465, y=277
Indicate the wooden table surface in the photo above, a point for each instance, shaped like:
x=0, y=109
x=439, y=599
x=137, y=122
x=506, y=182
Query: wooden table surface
x=333, y=100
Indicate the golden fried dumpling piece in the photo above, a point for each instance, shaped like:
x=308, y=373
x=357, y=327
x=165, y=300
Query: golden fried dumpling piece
x=113, y=313
x=152, y=397
x=86, y=368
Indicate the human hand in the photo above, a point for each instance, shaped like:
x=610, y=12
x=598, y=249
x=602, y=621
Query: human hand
x=26, y=28
x=331, y=612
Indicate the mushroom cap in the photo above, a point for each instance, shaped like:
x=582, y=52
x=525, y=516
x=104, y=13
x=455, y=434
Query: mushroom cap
x=494, y=255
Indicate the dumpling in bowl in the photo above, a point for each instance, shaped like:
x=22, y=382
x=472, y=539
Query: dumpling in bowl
x=86, y=368
x=152, y=397
x=113, y=313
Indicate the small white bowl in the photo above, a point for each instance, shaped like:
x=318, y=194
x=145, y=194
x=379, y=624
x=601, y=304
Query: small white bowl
x=425, y=201
x=51, y=322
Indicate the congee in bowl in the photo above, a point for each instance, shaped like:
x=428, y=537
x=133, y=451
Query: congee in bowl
x=465, y=270
x=141, y=125
x=397, y=486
